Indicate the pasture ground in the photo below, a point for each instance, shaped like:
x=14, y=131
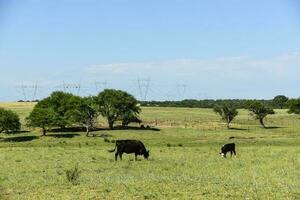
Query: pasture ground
x=184, y=161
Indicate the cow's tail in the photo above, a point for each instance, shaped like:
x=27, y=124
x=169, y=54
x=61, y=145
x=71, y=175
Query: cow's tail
x=113, y=150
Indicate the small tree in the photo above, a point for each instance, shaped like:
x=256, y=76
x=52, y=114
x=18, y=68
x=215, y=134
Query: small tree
x=84, y=114
x=294, y=106
x=112, y=104
x=43, y=118
x=227, y=112
x=9, y=121
x=260, y=111
x=280, y=101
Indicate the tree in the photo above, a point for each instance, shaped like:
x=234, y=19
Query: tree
x=294, y=106
x=113, y=104
x=43, y=118
x=84, y=114
x=9, y=121
x=130, y=117
x=279, y=101
x=260, y=111
x=227, y=112
x=61, y=103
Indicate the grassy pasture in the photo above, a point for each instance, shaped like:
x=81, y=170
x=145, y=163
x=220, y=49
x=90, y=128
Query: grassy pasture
x=184, y=161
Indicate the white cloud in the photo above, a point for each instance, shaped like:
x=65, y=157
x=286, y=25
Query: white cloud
x=230, y=67
x=223, y=77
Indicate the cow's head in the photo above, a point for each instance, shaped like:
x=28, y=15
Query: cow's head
x=222, y=152
x=146, y=154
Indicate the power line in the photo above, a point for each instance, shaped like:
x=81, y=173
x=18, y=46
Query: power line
x=71, y=87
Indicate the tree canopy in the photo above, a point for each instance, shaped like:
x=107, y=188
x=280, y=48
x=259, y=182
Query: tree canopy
x=61, y=103
x=260, y=111
x=280, y=101
x=84, y=114
x=43, y=118
x=9, y=121
x=227, y=112
x=294, y=106
x=114, y=104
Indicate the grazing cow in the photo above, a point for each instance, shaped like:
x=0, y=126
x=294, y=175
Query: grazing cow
x=130, y=146
x=228, y=148
x=142, y=126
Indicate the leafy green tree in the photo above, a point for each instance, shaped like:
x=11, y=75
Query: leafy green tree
x=113, y=104
x=294, y=106
x=9, y=121
x=61, y=103
x=130, y=117
x=280, y=101
x=84, y=114
x=260, y=111
x=43, y=118
x=227, y=112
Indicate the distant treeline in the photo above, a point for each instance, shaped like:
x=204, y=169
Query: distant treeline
x=209, y=103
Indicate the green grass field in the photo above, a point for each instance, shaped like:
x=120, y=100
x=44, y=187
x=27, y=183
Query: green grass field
x=184, y=161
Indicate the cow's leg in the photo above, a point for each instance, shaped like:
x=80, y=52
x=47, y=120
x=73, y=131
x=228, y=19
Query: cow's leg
x=116, y=156
x=120, y=154
x=230, y=153
x=234, y=152
x=225, y=154
x=135, y=156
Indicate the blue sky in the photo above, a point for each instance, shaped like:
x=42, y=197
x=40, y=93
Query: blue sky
x=216, y=48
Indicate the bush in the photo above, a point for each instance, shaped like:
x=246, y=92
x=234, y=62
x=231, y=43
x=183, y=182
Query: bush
x=294, y=106
x=9, y=121
x=73, y=175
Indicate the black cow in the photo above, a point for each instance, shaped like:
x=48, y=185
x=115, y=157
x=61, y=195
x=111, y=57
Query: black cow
x=226, y=148
x=130, y=146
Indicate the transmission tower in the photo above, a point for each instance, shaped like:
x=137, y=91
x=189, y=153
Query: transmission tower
x=143, y=86
x=181, y=90
x=29, y=91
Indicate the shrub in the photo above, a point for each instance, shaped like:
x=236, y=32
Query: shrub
x=9, y=121
x=294, y=106
x=73, y=175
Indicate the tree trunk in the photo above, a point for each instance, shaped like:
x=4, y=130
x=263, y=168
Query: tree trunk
x=261, y=121
x=44, y=131
x=111, y=124
x=87, y=130
x=228, y=127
